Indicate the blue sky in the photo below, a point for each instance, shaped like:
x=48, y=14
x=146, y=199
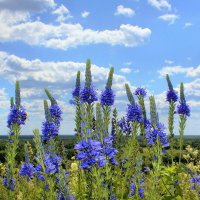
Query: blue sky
x=44, y=42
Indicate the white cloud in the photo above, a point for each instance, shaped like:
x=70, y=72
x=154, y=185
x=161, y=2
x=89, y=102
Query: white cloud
x=160, y=4
x=85, y=14
x=26, y=5
x=169, y=62
x=126, y=70
x=121, y=10
x=34, y=75
x=188, y=24
x=188, y=71
x=65, y=35
x=63, y=13
x=171, y=18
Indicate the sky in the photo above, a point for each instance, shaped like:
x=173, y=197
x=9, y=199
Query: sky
x=43, y=43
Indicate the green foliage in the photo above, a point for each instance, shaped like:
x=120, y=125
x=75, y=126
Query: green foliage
x=129, y=94
x=110, y=78
x=51, y=98
x=88, y=76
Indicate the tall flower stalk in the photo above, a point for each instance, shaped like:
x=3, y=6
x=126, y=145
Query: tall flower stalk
x=76, y=101
x=16, y=118
x=141, y=93
x=172, y=98
x=184, y=111
x=88, y=95
x=107, y=100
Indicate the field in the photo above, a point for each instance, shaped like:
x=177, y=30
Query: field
x=134, y=157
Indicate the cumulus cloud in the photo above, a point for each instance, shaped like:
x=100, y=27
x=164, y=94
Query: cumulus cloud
x=126, y=70
x=121, y=10
x=188, y=24
x=34, y=75
x=160, y=4
x=171, y=18
x=26, y=5
x=63, y=13
x=169, y=62
x=85, y=14
x=64, y=35
x=188, y=71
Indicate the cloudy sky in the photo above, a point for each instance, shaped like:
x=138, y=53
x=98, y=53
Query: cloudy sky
x=44, y=42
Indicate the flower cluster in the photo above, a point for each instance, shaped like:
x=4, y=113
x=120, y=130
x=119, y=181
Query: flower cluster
x=107, y=97
x=16, y=116
x=27, y=169
x=183, y=109
x=124, y=125
x=172, y=96
x=133, y=189
x=109, y=151
x=89, y=152
x=52, y=163
x=9, y=183
x=140, y=92
x=88, y=95
x=196, y=181
x=76, y=92
x=49, y=130
x=56, y=113
x=38, y=170
x=134, y=113
x=157, y=133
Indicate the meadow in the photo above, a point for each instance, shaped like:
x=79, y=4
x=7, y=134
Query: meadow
x=109, y=158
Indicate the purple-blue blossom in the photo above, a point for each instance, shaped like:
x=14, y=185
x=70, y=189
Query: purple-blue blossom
x=171, y=96
x=49, y=130
x=183, y=109
x=88, y=95
x=52, y=163
x=56, y=113
x=27, y=169
x=140, y=92
x=107, y=97
x=9, y=183
x=134, y=113
x=89, y=153
x=157, y=133
x=16, y=116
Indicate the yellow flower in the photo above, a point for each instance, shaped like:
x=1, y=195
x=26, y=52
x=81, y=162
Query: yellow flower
x=74, y=166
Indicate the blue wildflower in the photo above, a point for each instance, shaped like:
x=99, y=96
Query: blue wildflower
x=49, y=130
x=76, y=92
x=141, y=192
x=124, y=125
x=88, y=95
x=146, y=169
x=183, y=109
x=195, y=180
x=176, y=182
x=9, y=183
x=89, y=152
x=56, y=113
x=132, y=189
x=140, y=92
x=52, y=163
x=107, y=97
x=134, y=113
x=172, y=96
x=16, y=116
x=157, y=133
x=27, y=169
x=109, y=151
x=38, y=170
